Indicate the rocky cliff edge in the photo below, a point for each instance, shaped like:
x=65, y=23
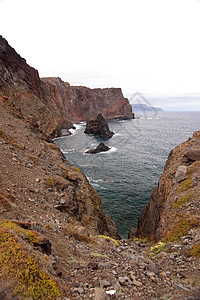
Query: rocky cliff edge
x=173, y=211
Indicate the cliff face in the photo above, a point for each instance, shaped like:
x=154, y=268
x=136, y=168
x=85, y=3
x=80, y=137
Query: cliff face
x=75, y=104
x=20, y=91
x=49, y=103
x=173, y=210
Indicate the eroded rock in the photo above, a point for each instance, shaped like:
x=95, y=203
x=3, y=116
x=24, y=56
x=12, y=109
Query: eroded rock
x=99, y=126
x=100, y=148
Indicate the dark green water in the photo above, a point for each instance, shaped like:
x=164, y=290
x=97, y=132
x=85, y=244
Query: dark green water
x=126, y=175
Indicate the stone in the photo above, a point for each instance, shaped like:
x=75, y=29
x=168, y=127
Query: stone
x=181, y=173
x=100, y=294
x=104, y=283
x=152, y=268
x=79, y=290
x=117, y=286
x=149, y=274
x=193, y=154
x=99, y=126
x=100, y=148
x=132, y=234
x=92, y=265
x=65, y=132
x=124, y=280
x=62, y=201
x=137, y=283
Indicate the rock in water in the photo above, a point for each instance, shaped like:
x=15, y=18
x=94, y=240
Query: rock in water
x=100, y=148
x=98, y=126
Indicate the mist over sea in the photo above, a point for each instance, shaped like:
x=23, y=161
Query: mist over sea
x=126, y=175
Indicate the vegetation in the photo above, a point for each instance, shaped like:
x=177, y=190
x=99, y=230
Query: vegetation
x=183, y=200
x=181, y=228
x=186, y=184
x=50, y=181
x=7, y=138
x=99, y=255
x=108, y=238
x=195, y=251
x=29, y=280
x=53, y=147
x=145, y=240
x=77, y=170
x=158, y=248
x=78, y=236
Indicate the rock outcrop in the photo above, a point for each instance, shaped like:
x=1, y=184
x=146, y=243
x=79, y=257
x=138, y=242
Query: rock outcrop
x=72, y=104
x=20, y=91
x=100, y=148
x=99, y=126
x=173, y=210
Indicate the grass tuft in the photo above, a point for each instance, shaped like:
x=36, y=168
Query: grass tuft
x=16, y=263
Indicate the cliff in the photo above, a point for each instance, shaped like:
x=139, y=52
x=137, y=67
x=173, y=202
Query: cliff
x=75, y=104
x=49, y=103
x=173, y=210
x=20, y=91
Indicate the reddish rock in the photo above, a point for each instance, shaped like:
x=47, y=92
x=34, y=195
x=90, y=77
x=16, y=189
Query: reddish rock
x=172, y=203
x=75, y=104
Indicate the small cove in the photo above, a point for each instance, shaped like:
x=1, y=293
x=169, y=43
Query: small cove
x=126, y=175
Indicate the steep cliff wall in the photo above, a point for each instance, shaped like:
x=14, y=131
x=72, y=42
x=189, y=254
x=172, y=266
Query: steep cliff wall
x=74, y=104
x=174, y=210
x=20, y=91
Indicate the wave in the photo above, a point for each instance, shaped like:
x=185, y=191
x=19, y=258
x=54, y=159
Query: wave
x=98, y=186
x=68, y=150
x=117, y=134
x=153, y=118
x=113, y=149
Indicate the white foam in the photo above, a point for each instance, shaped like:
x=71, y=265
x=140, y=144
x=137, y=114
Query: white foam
x=113, y=149
x=116, y=134
x=66, y=151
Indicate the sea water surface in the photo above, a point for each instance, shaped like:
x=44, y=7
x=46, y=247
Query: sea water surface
x=126, y=175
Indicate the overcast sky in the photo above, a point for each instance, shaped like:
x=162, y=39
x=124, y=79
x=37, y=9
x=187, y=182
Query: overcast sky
x=146, y=46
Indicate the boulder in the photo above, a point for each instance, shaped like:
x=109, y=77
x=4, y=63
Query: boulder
x=181, y=173
x=193, y=154
x=99, y=126
x=100, y=148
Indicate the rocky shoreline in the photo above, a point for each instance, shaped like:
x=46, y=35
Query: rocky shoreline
x=55, y=240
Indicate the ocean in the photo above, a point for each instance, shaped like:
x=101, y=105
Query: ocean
x=126, y=175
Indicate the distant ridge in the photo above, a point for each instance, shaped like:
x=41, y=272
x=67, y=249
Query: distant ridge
x=144, y=107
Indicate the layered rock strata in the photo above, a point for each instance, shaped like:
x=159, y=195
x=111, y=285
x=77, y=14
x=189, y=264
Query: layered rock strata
x=76, y=103
x=50, y=103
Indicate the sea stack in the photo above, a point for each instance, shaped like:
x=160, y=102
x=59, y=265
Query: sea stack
x=99, y=126
x=100, y=148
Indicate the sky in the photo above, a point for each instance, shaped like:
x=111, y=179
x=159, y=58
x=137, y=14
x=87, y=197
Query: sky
x=151, y=47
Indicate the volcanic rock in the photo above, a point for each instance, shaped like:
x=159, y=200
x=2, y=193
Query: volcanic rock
x=100, y=148
x=181, y=173
x=193, y=154
x=176, y=191
x=98, y=126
